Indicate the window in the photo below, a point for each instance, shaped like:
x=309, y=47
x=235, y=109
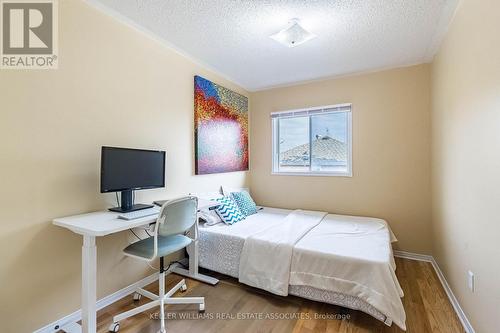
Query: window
x=315, y=141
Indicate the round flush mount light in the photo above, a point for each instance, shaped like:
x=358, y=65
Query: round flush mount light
x=293, y=34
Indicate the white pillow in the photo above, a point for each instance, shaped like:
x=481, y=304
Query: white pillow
x=227, y=190
x=210, y=216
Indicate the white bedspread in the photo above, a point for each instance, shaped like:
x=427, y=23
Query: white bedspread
x=351, y=255
x=266, y=256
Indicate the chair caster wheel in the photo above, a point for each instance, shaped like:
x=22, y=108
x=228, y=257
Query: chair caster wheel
x=114, y=327
x=184, y=287
x=137, y=297
x=202, y=308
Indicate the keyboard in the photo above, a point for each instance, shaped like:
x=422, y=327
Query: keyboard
x=137, y=214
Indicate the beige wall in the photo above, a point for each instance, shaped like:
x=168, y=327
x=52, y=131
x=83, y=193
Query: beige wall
x=114, y=86
x=391, y=151
x=466, y=159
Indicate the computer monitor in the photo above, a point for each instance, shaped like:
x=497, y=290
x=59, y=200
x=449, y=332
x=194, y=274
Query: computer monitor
x=126, y=170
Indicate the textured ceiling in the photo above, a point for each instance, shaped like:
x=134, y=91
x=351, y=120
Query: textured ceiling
x=231, y=36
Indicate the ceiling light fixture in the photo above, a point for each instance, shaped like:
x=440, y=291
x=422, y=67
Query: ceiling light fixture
x=293, y=34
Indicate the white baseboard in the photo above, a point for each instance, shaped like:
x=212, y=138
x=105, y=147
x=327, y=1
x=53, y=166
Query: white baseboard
x=413, y=256
x=453, y=300
x=110, y=299
x=70, y=320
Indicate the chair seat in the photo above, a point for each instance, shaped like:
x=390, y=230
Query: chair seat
x=166, y=245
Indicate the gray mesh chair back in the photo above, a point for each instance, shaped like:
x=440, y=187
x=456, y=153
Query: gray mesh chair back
x=177, y=216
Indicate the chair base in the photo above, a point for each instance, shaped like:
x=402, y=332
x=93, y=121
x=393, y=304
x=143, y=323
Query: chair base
x=158, y=300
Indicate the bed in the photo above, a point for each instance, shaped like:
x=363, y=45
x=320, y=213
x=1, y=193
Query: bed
x=336, y=259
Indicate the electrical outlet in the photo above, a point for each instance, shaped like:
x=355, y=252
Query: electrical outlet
x=470, y=281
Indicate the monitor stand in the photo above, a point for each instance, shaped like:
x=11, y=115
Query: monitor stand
x=127, y=203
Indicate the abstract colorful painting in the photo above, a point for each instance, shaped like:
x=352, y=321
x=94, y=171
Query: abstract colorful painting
x=221, y=128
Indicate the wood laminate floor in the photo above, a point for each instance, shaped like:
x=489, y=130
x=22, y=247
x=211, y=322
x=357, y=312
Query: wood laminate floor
x=235, y=308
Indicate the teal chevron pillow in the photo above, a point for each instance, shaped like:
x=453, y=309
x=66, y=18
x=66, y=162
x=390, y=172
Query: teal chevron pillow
x=245, y=202
x=228, y=211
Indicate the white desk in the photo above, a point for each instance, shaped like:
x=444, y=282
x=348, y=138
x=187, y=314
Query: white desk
x=104, y=223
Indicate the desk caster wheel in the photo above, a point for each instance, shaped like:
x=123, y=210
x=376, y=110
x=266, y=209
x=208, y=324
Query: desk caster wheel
x=137, y=297
x=184, y=287
x=114, y=327
x=202, y=308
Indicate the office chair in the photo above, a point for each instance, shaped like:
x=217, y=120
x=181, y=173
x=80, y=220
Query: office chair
x=175, y=218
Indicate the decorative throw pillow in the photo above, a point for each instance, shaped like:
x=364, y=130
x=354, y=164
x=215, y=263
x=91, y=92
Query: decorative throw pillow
x=245, y=202
x=228, y=211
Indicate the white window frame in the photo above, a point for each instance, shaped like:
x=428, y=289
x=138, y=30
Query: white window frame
x=346, y=107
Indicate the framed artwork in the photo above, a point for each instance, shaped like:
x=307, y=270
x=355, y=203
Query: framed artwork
x=221, y=128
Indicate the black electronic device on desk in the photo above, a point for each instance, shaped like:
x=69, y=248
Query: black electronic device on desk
x=126, y=170
x=160, y=202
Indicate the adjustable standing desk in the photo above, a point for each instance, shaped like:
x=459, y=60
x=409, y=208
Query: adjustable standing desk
x=104, y=223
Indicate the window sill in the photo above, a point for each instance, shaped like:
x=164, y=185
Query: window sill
x=314, y=174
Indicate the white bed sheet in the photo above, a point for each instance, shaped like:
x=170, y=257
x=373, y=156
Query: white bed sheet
x=265, y=218
x=221, y=246
x=351, y=255
x=264, y=249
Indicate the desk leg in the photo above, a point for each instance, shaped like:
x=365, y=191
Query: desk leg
x=193, y=273
x=193, y=258
x=89, y=269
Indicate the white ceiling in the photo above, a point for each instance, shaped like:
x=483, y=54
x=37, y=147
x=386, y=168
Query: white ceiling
x=231, y=36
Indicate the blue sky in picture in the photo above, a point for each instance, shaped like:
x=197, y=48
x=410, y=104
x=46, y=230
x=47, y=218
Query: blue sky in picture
x=295, y=131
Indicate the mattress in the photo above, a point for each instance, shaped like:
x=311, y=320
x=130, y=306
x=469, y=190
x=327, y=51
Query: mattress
x=220, y=245
x=220, y=248
x=351, y=255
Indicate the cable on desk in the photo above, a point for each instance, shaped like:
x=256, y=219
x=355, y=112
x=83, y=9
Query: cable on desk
x=132, y=231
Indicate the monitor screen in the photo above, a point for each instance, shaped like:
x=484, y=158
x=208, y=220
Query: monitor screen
x=131, y=169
